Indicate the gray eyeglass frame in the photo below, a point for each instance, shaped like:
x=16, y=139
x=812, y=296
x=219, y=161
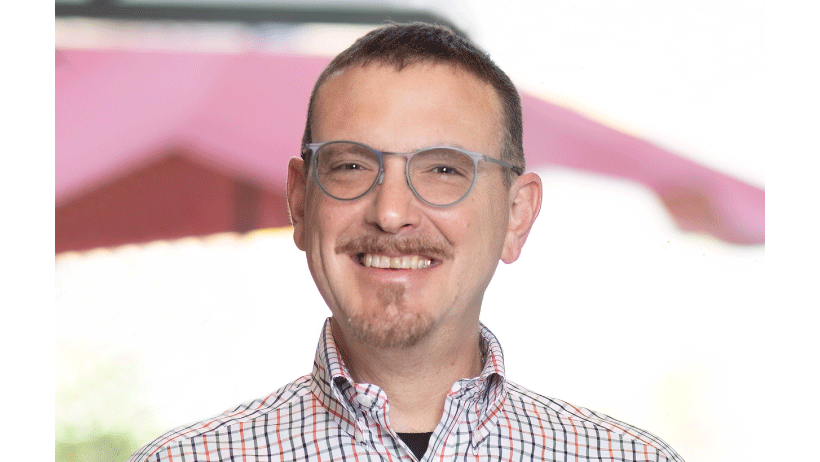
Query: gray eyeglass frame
x=313, y=148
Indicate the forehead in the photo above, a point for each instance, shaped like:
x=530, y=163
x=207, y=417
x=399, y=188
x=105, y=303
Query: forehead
x=421, y=105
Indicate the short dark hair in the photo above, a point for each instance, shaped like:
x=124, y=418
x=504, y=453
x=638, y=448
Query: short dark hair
x=401, y=45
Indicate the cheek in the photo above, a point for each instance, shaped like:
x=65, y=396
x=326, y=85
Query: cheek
x=321, y=217
x=318, y=234
x=491, y=220
x=326, y=222
x=478, y=231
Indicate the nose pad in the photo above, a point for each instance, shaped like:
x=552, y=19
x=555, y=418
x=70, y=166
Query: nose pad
x=380, y=178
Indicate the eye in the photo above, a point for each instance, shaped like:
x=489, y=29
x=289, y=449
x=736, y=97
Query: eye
x=445, y=170
x=346, y=159
x=442, y=164
x=348, y=166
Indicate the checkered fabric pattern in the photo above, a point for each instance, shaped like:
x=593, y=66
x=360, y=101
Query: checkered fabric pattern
x=326, y=416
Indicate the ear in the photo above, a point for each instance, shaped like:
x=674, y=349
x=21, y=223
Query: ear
x=525, y=203
x=296, y=199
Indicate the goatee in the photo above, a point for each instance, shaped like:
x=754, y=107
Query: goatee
x=390, y=324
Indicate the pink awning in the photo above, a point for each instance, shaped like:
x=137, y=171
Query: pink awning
x=243, y=114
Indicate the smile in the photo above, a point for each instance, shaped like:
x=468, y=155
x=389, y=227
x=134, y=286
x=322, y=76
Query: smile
x=404, y=262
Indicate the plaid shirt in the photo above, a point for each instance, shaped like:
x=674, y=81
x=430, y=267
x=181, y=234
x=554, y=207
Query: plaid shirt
x=326, y=416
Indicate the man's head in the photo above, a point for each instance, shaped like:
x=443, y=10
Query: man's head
x=395, y=270
x=401, y=45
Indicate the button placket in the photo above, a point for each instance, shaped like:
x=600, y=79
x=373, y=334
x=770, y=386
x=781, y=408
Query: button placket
x=368, y=401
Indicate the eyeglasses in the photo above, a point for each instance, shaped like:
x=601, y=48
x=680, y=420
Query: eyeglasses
x=439, y=176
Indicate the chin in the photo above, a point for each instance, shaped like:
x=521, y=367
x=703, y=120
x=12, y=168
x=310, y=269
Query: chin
x=402, y=331
x=389, y=323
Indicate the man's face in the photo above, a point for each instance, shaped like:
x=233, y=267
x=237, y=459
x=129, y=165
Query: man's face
x=400, y=111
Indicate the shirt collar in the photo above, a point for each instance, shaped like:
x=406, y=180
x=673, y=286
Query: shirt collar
x=492, y=355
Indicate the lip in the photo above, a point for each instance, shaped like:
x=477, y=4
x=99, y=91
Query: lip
x=413, y=280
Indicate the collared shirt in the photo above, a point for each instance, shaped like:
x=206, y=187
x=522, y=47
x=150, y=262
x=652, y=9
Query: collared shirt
x=327, y=416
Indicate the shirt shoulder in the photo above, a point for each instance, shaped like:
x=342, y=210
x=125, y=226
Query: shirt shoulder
x=293, y=393
x=586, y=429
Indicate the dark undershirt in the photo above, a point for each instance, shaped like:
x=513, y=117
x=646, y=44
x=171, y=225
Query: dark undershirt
x=417, y=442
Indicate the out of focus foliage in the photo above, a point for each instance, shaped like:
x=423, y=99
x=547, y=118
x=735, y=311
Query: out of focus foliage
x=100, y=415
x=107, y=447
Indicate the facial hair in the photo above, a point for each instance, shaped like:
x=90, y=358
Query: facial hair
x=390, y=324
x=417, y=245
x=387, y=321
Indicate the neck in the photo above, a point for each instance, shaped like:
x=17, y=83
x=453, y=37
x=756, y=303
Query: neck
x=416, y=379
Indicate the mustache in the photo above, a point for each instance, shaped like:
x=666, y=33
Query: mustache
x=436, y=248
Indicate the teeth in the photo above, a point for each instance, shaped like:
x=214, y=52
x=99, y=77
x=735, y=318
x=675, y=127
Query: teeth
x=405, y=262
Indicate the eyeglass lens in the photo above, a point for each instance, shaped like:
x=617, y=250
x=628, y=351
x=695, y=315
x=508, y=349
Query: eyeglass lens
x=440, y=176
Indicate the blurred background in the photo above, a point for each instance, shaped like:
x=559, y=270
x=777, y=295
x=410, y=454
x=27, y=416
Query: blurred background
x=179, y=292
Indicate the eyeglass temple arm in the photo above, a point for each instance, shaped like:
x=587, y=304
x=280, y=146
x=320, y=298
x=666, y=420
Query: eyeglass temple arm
x=515, y=169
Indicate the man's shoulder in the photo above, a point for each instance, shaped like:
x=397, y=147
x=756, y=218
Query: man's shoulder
x=588, y=426
x=245, y=415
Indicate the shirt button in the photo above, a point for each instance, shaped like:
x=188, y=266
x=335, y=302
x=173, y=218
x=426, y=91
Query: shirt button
x=364, y=400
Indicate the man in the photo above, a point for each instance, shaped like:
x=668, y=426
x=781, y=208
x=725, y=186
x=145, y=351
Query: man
x=410, y=189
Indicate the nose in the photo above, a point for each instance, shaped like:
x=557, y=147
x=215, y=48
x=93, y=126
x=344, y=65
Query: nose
x=395, y=208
